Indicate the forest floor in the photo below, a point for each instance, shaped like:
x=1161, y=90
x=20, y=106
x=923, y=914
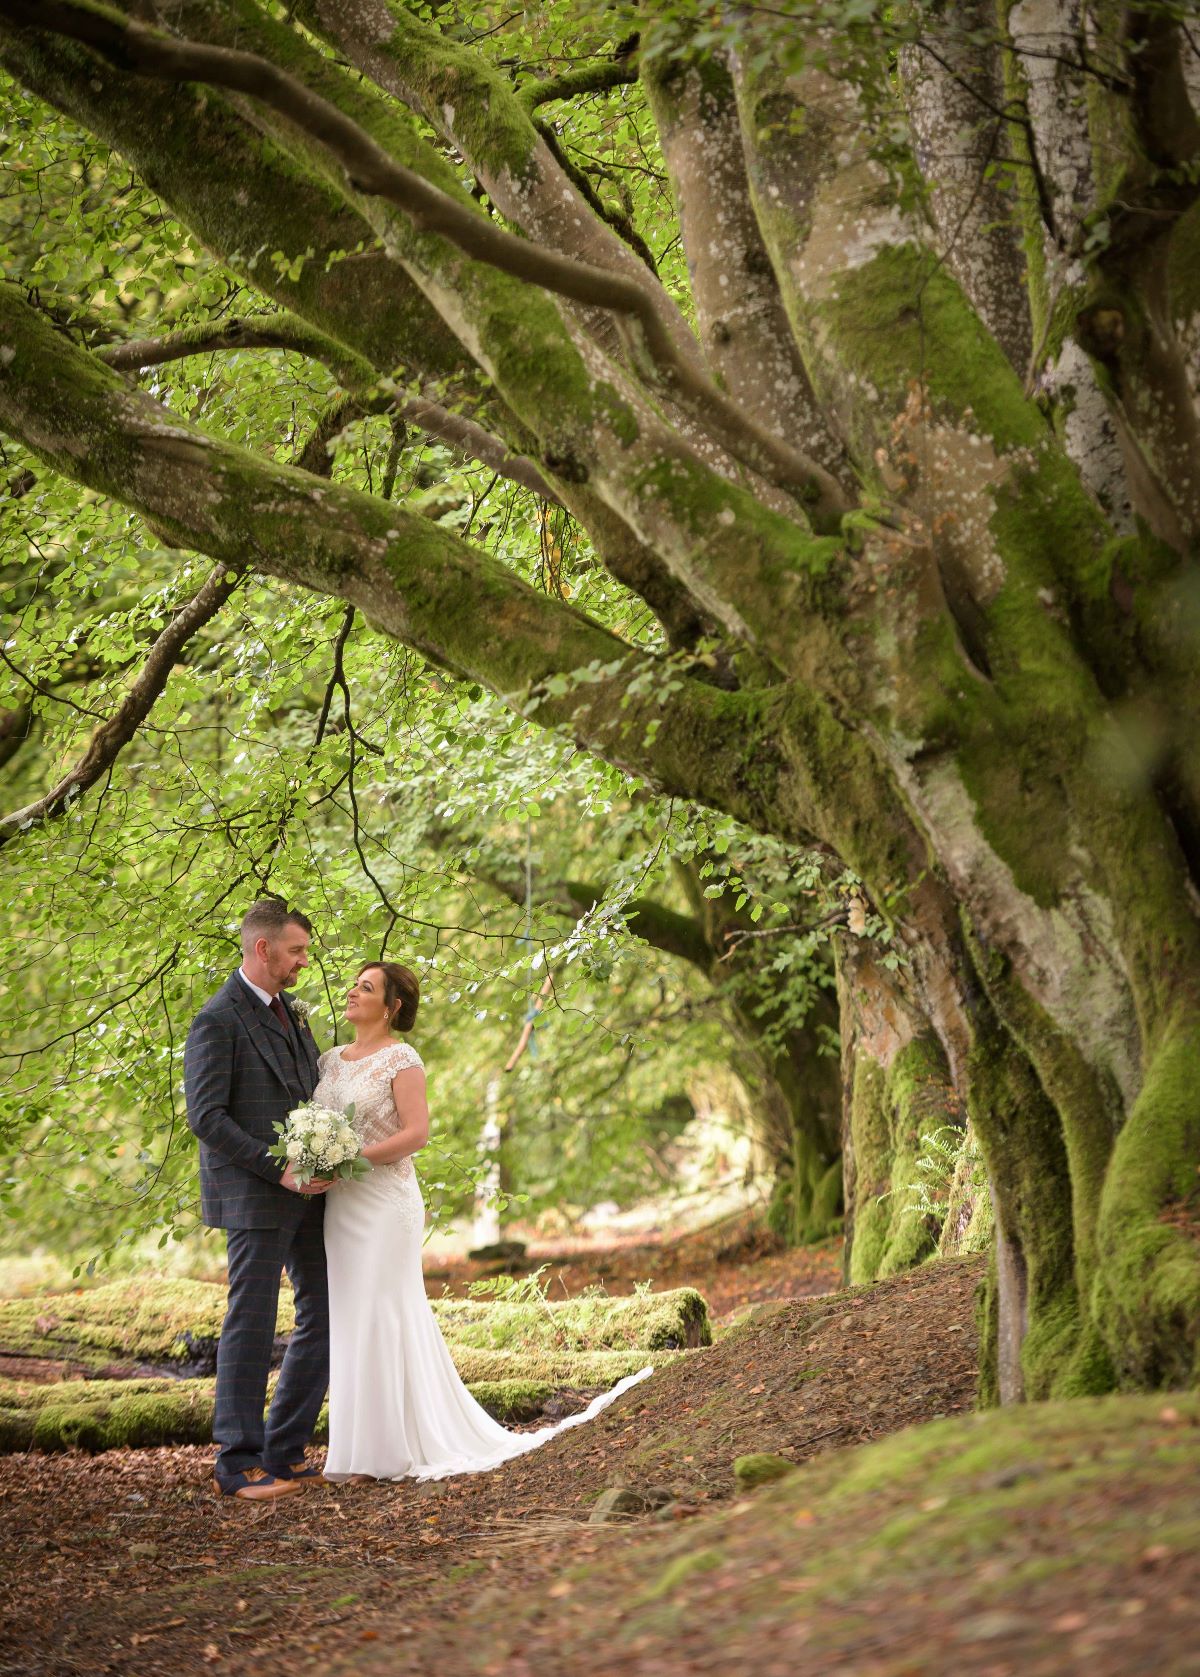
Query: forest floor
x=1033, y=1542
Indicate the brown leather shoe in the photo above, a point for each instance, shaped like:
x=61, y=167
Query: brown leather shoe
x=297, y=1473
x=255, y=1484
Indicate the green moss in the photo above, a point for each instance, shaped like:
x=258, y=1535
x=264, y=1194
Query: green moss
x=889, y=1110
x=945, y=1509
x=1183, y=266
x=242, y=194
x=902, y=313
x=681, y=1568
x=578, y=1342
x=557, y=1368
x=134, y=1321
x=754, y=1470
x=1085, y=1096
x=650, y=1321
x=1022, y=1141
x=489, y=118
x=805, y=1207
x=987, y=1327
x=105, y=1414
x=774, y=572
x=1146, y=1300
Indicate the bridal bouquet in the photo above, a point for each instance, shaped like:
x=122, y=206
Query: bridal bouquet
x=317, y=1141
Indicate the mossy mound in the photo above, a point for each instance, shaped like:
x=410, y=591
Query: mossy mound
x=104, y=1414
x=156, y=1322
x=752, y=1471
x=1050, y=1538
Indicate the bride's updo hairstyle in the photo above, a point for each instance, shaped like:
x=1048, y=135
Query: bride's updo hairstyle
x=401, y=992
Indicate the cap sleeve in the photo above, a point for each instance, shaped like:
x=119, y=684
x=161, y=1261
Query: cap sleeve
x=401, y=1057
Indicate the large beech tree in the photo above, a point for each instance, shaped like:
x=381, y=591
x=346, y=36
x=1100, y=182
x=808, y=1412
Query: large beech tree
x=910, y=481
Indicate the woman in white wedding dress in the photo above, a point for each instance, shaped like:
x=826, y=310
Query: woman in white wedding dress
x=397, y=1408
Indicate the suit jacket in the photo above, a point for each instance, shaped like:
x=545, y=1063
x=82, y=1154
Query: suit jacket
x=241, y=1079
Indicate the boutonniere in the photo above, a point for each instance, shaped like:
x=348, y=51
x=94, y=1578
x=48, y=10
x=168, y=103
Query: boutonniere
x=302, y=1011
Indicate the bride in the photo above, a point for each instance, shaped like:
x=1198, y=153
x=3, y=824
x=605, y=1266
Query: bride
x=397, y=1408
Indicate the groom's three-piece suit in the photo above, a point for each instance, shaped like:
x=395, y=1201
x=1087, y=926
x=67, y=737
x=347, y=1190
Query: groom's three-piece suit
x=245, y=1068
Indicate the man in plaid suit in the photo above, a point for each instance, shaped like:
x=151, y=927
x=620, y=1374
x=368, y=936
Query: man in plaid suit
x=248, y=1062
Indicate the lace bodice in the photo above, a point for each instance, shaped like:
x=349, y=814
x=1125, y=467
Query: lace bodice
x=367, y=1084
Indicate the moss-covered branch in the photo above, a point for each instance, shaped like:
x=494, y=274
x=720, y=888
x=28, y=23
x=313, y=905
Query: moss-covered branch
x=370, y=170
x=743, y=326
x=264, y=331
x=477, y=110
x=179, y=1322
x=245, y=196
x=590, y=78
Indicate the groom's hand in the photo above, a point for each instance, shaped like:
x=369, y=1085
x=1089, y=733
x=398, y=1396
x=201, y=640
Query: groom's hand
x=318, y=1184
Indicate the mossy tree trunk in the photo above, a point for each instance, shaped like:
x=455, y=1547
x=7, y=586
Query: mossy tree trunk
x=944, y=649
x=897, y=1086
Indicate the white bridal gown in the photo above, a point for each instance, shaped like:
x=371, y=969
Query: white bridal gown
x=397, y=1408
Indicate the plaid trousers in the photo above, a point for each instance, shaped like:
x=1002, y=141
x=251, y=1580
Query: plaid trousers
x=257, y=1258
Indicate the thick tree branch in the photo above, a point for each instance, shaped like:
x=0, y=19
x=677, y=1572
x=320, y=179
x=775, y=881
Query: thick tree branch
x=1126, y=323
x=285, y=331
x=592, y=78
x=955, y=101
x=242, y=195
x=510, y=150
x=370, y=170
x=620, y=224
x=264, y=331
x=743, y=325
x=110, y=739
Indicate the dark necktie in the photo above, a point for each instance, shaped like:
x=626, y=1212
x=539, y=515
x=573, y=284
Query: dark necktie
x=280, y=1012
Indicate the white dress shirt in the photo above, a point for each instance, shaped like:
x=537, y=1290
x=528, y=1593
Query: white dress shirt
x=264, y=996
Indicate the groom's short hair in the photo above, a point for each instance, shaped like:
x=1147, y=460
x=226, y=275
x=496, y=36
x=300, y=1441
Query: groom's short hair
x=267, y=918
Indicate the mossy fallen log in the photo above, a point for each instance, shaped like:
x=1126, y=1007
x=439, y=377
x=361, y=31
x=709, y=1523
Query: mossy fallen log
x=178, y=1323
x=670, y=1321
x=98, y=1415
x=124, y=1321
x=555, y=1368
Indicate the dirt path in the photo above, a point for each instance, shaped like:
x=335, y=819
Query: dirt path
x=125, y=1562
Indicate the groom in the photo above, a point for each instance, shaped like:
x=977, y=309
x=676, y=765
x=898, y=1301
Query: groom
x=248, y=1062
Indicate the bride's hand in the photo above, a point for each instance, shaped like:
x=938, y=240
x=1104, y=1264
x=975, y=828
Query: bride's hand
x=317, y=1185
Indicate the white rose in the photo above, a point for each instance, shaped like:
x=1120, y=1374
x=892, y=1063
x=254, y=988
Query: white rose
x=294, y=1148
